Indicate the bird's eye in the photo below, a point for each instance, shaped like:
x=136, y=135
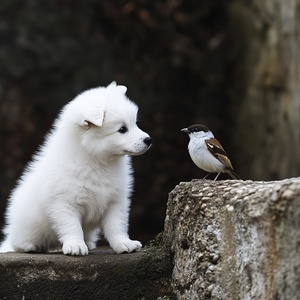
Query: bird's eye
x=123, y=129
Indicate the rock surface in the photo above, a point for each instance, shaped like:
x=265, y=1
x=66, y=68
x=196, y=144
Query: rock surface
x=235, y=239
x=100, y=275
x=222, y=240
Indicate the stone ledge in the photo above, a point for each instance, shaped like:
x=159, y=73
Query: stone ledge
x=100, y=275
x=235, y=239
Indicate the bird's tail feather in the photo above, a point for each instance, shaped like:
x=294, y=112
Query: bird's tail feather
x=234, y=175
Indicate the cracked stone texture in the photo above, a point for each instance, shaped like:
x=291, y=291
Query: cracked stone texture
x=235, y=239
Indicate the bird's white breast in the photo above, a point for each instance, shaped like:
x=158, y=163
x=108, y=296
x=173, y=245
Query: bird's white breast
x=202, y=157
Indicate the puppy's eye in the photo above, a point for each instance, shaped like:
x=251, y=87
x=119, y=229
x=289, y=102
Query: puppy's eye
x=123, y=129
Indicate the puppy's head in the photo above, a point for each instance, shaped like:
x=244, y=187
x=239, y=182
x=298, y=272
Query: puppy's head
x=106, y=122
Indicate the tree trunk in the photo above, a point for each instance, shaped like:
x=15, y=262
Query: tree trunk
x=265, y=88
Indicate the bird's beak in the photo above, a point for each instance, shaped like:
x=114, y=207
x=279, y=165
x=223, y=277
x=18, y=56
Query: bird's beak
x=185, y=130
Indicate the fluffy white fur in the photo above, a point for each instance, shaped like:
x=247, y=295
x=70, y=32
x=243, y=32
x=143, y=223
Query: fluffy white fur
x=80, y=181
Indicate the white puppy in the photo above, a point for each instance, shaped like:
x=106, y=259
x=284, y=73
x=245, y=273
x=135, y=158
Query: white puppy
x=80, y=181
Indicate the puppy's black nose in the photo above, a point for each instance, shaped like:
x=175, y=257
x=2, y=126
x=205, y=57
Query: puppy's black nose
x=147, y=141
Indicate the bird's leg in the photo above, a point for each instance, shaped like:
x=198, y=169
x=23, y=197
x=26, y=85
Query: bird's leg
x=206, y=175
x=217, y=176
x=193, y=180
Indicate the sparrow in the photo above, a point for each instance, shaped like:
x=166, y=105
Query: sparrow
x=207, y=153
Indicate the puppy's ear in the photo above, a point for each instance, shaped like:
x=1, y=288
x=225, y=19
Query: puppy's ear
x=113, y=84
x=121, y=88
x=93, y=117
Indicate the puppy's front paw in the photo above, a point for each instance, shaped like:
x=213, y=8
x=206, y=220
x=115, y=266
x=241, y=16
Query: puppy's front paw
x=75, y=247
x=127, y=246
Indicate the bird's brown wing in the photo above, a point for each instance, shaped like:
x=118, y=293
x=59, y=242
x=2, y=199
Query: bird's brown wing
x=218, y=152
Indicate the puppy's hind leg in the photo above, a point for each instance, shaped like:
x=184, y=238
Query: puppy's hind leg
x=6, y=246
x=91, y=237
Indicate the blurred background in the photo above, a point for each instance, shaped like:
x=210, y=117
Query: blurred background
x=231, y=65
